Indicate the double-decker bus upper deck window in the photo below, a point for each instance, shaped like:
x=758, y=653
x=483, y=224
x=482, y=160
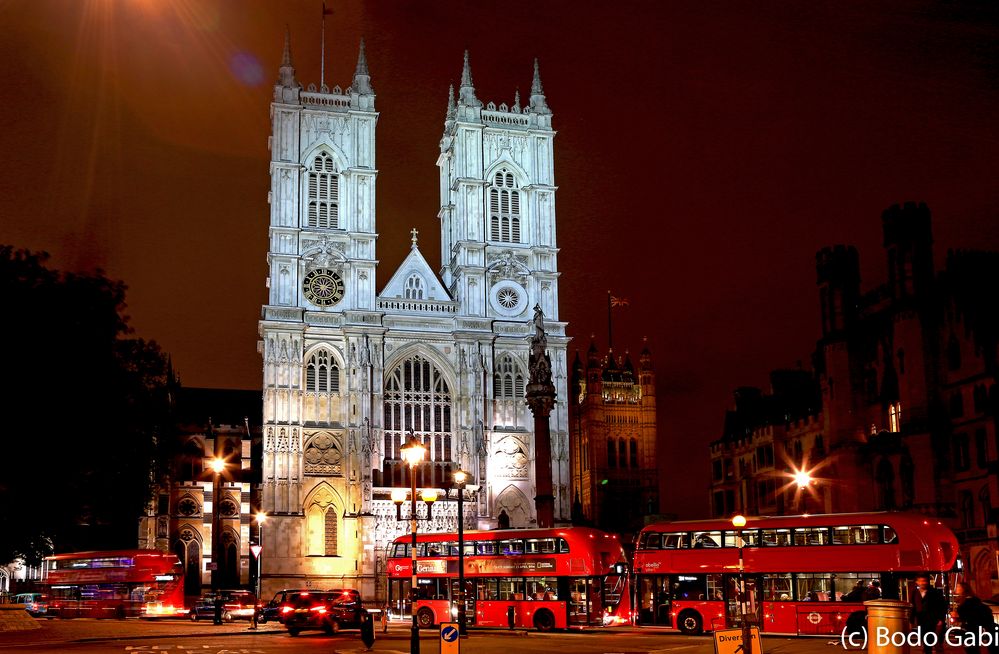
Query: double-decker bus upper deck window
x=750, y=538
x=707, y=539
x=512, y=546
x=857, y=535
x=485, y=547
x=401, y=550
x=674, y=541
x=775, y=537
x=540, y=545
x=890, y=536
x=654, y=541
x=563, y=546
x=811, y=536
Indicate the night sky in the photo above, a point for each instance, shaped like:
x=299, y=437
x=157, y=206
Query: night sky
x=705, y=152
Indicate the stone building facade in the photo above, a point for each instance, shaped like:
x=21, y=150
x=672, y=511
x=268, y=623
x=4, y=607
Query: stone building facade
x=615, y=472
x=349, y=372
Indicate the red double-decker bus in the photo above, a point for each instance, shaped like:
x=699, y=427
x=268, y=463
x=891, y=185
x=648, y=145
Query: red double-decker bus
x=551, y=578
x=804, y=575
x=114, y=584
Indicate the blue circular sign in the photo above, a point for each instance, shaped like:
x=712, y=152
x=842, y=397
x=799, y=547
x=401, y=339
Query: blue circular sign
x=449, y=634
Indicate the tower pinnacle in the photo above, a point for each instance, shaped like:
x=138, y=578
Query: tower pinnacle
x=466, y=93
x=538, y=103
x=450, y=103
x=286, y=74
x=362, y=81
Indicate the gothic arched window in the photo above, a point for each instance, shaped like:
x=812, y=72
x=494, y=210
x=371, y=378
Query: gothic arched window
x=504, y=208
x=414, y=287
x=611, y=453
x=321, y=524
x=324, y=193
x=417, y=400
x=322, y=375
x=622, y=453
x=634, y=453
x=508, y=391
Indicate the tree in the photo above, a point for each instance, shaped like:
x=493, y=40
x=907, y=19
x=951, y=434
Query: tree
x=83, y=404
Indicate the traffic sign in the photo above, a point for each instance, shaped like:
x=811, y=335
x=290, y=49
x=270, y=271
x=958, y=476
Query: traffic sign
x=449, y=638
x=729, y=641
x=256, y=549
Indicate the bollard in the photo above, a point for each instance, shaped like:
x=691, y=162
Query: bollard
x=511, y=618
x=890, y=617
x=367, y=631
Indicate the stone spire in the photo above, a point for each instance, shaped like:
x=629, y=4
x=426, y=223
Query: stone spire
x=466, y=93
x=516, y=102
x=362, y=81
x=538, y=103
x=286, y=74
x=450, y=104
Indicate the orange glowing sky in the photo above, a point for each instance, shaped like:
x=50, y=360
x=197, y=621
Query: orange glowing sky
x=705, y=151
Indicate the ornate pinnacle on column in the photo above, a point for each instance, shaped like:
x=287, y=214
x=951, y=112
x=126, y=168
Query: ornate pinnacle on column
x=362, y=81
x=466, y=93
x=516, y=101
x=450, y=103
x=541, y=399
x=287, y=71
x=538, y=103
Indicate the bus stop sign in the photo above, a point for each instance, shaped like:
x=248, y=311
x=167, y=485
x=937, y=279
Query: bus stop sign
x=449, y=638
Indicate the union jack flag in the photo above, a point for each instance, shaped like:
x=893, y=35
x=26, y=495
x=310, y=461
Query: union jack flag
x=618, y=301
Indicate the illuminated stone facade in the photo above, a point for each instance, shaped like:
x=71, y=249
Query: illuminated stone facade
x=349, y=372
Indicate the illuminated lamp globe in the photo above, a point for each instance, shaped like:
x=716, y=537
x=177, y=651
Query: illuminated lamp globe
x=739, y=521
x=218, y=465
x=413, y=452
x=398, y=495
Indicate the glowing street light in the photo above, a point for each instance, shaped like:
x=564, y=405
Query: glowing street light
x=413, y=453
x=802, y=479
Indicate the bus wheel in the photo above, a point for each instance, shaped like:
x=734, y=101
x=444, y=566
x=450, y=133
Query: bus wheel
x=544, y=620
x=227, y=617
x=332, y=627
x=425, y=618
x=689, y=622
x=292, y=632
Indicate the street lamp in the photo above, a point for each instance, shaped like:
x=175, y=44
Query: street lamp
x=218, y=466
x=739, y=522
x=413, y=453
x=803, y=480
x=460, y=479
x=261, y=517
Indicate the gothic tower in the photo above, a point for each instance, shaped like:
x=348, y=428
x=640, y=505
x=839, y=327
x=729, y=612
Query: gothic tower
x=321, y=295
x=499, y=260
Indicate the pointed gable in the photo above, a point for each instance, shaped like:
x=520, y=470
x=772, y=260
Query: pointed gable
x=414, y=280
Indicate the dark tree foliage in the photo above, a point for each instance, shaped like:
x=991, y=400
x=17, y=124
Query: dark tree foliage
x=84, y=407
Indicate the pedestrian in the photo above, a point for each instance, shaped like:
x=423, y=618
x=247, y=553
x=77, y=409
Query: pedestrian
x=975, y=618
x=928, y=612
x=873, y=591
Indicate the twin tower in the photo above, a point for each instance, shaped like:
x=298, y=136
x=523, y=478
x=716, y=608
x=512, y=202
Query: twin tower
x=349, y=372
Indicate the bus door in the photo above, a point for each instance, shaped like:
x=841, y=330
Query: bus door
x=734, y=600
x=778, y=607
x=585, y=606
x=654, y=600
x=469, y=599
x=400, y=597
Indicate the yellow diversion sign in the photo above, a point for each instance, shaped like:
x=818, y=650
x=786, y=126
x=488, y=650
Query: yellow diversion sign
x=729, y=641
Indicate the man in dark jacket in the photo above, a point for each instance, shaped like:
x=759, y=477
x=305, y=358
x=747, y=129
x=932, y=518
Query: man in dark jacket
x=929, y=609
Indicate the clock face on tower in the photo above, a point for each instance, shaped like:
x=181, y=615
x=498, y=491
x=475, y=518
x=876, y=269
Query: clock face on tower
x=323, y=287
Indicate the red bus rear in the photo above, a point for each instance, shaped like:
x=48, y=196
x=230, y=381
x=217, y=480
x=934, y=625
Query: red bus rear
x=551, y=578
x=805, y=575
x=115, y=584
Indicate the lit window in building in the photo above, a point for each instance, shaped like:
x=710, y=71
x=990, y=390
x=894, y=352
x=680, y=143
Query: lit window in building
x=895, y=417
x=322, y=374
x=504, y=209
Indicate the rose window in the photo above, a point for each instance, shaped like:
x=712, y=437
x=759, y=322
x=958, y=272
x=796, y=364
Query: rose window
x=508, y=298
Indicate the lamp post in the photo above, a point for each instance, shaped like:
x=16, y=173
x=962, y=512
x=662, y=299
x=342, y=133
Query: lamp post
x=412, y=453
x=460, y=479
x=259, y=551
x=739, y=522
x=218, y=466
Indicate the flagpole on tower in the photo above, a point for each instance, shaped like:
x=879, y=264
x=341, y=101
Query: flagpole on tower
x=322, y=48
x=610, y=329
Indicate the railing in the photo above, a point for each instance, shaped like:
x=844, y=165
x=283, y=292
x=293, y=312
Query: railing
x=420, y=306
x=325, y=100
x=504, y=118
